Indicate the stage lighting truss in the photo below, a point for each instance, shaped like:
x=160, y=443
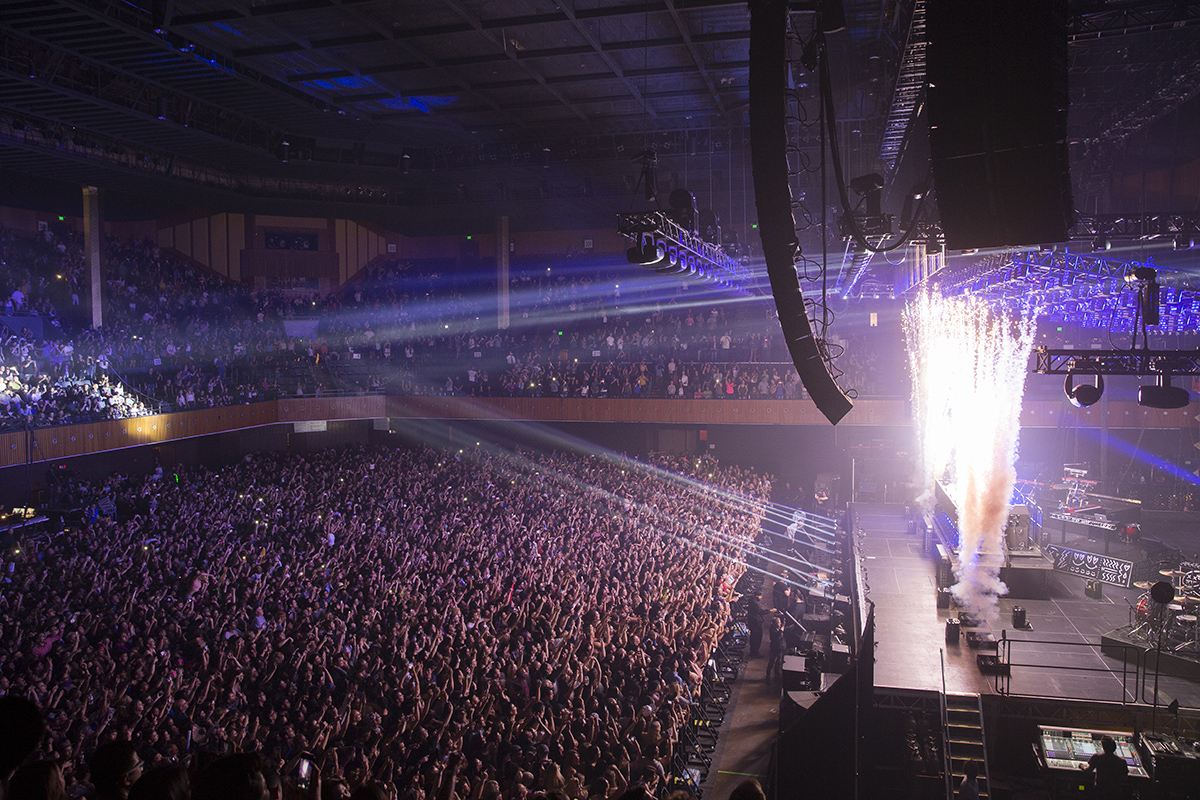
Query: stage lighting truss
x=1139, y=227
x=662, y=245
x=1162, y=365
x=1116, y=362
x=1076, y=289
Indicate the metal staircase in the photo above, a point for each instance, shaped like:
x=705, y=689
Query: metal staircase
x=964, y=739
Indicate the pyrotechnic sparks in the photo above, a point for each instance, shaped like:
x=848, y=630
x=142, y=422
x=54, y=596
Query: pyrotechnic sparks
x=969, y=362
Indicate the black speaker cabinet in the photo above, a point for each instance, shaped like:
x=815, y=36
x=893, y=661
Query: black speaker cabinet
x=953, y=631
x=997, y=103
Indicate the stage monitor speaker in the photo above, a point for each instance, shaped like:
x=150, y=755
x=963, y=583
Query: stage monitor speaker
x=1018, y=617
x=794, y=675
x=997, y=102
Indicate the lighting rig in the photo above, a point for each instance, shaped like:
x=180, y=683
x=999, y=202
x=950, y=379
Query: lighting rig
x=682, y=241
x=663, y=245
x=1102, y=230
x=1085, y=290
x=1161, y=364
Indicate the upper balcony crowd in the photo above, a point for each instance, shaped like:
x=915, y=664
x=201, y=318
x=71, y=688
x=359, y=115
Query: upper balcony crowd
x=176, y=336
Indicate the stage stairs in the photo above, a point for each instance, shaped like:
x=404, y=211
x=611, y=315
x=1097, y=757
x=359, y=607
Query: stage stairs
x=964, y=738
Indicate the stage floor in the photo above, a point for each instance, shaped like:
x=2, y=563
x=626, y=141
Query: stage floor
x=1059, y=657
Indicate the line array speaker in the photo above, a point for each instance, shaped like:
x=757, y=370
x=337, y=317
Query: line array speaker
x=773, y=198
x=997, y=102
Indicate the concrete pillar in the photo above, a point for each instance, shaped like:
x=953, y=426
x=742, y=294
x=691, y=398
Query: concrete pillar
x=93, y=225
x=502, y=279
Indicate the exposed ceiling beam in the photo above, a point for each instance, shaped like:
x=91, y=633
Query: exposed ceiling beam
x=1155, y=102
x=350, y=68
x=593, y=77
x=131, y=23
x=511, y=55
x=57, y=70
x=686, y=35
x=499, y=41
x=494, y=23
x=608, y=60
x=427, y=60
x=582, y=101
x=907, y=90
x=1124, y=19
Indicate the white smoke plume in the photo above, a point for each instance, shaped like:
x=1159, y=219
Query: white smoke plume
x=969, y=362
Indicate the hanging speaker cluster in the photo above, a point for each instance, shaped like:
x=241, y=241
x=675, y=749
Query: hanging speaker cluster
x=773, y=199
x=997, y=102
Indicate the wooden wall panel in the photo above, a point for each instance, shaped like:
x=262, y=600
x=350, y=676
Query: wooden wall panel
x=269, y=221
x=331, y=408
x=24, y=221
x=166, y=237
x=339, y=244
x=1121, y=414
x=183, y=238
x=235, y=241
x=219, y=232
x=200, y=248
x=686, y=412
x=74, y=440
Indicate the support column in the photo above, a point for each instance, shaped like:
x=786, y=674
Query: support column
x=1104, y=451
x=93, y=224
x=502, y=279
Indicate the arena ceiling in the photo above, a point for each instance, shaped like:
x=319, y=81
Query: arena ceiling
x=437, y=115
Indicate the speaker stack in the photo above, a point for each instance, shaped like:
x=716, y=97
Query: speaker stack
x=997, y=103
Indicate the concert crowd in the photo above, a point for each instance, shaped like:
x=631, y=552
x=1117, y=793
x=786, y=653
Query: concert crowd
x=409, y=621
x=176, y=338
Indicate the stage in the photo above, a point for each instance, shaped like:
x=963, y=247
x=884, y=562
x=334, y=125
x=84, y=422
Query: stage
x=1117, y=643
x=1061, y=654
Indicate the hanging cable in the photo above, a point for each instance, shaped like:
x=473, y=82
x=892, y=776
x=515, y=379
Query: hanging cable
x=859, y=237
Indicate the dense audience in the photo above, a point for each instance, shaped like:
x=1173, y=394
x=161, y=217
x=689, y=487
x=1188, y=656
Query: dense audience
x=488, y=624
x=176, y=337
